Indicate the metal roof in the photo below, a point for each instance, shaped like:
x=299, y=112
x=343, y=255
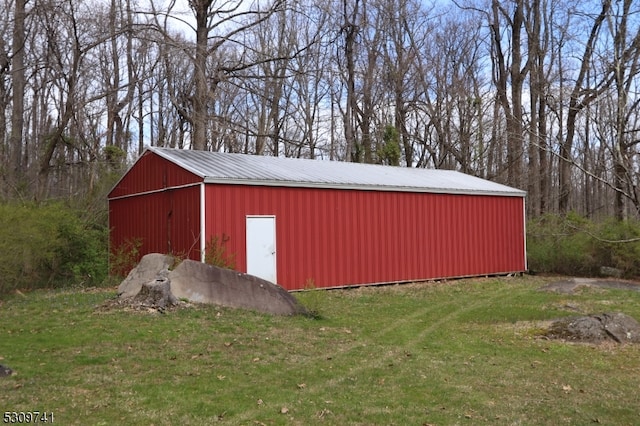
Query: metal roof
x=217, y=167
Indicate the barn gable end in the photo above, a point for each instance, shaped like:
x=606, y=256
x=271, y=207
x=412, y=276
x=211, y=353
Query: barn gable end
x=152, y=172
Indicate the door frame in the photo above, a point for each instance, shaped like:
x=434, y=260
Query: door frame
x=275, y=245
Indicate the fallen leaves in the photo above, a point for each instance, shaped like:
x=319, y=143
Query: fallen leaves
x=322, y=413
x=283, y=409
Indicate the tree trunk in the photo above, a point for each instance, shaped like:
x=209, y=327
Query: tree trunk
x=4, y=106
x=18, y=81
x=201, y=95
x=351, y=30
x=515, y=129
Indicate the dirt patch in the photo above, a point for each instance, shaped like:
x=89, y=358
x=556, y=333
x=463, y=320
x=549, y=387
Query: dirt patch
x=571, y=285
x=141, y=304
x=612, y=327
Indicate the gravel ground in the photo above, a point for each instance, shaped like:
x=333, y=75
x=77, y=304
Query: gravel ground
x=570, y=285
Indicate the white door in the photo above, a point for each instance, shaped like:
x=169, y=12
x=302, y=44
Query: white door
x=261, y=247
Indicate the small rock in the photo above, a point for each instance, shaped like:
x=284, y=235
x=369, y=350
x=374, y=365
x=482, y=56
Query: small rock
x=609, y=271
x=5, y=371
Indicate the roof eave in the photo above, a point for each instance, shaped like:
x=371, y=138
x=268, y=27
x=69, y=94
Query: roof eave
x=328, y=185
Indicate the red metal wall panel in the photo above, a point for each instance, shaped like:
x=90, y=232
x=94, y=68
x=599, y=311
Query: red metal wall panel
x=343, y=237
x=150, y=173
x=164, y=222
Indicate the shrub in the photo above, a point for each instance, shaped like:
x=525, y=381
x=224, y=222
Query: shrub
x=573, y=245
x=619, y=246
x=124, y=258
x=49, y=246
x=216, y=253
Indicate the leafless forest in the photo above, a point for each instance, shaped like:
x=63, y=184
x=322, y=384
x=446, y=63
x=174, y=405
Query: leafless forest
x=542, y=95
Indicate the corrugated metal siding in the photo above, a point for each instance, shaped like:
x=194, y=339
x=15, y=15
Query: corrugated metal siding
x=345, y=237
x=150, y=173
x=165, y=222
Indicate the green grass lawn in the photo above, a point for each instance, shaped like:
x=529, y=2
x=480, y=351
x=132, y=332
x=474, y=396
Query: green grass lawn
x=464, y=352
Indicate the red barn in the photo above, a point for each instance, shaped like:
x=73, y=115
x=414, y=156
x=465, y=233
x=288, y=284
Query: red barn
x=303, y=223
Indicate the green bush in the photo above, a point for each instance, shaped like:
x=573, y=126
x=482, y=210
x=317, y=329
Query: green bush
x=49, y=246
x=124, y=258
x=619, y=246
x=573, y=245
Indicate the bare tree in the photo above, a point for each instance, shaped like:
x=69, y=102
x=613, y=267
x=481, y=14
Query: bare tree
x=547, y=32
x=119, y=85
x=218, y=24
x=454, y=96
x=272, y=51
x=310, y=86
x=509, y=78
x=581, y=96
x=626, y=68
x=405, y=22
x=370, y=67
x=350, y=30
x=67, y=56
x=18, y=81
x=5, y=94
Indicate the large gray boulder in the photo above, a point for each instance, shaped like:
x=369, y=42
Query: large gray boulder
x=148, y=269
x=202, y=283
